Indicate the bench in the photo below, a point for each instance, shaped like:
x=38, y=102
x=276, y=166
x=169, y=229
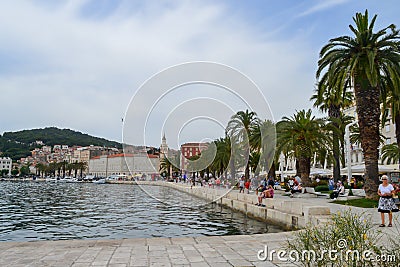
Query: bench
x=311, y=190
x=346, y=193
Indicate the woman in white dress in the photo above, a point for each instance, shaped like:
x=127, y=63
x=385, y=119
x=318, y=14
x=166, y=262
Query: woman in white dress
x=386, y=202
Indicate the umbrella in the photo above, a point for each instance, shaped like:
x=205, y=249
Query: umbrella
x=319, y=171
x=360, y=169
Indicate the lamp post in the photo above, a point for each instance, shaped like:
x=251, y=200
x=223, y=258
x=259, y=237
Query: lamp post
x=348, y=152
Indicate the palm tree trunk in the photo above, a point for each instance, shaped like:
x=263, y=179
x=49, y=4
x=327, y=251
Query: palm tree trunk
x=298, y=172
x=368, y=111
x=232, y=167
x=334, y=112
x=272, y=171
x=304, y=169
x=247, y=171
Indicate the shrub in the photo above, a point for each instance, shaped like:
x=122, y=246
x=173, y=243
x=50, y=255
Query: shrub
x=345, y=231
x=321, y=188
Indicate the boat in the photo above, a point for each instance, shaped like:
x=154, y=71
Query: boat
x=51, y=179
x=99, y=181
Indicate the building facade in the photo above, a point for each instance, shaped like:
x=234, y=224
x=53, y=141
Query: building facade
x=189, y=150
x=123, y=164
x=6, y=164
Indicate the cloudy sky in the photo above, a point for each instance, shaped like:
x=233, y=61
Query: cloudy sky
x=78, y=64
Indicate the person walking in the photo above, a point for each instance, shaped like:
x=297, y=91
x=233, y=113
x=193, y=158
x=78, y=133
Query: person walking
x=247, y=186
x=241, y=185
x=386, y=202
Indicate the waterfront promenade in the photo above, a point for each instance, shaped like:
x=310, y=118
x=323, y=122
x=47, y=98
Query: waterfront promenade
x=183, y=251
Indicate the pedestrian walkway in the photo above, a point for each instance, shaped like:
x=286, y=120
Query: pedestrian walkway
x=199, y=251
x=236, y=250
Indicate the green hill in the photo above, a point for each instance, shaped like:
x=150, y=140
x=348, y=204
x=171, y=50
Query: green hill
x=19, y=144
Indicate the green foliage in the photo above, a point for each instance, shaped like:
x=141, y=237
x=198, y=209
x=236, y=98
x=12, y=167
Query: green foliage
x=19, y=144
x=360, y=202
x=321, y=188
x=4, y=172
x=345, y=231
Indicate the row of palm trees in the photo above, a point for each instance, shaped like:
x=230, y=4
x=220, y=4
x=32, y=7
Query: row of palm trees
x=61, y=169
x=363, y=69
x=369, y=62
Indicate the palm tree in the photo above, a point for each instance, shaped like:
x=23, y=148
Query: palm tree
x=333, y=100
x=82, y=166
x=392, y=103
x=390, y=153
x=263, y=140
x=223, y=159
x=165, y=166
x=364, y=59
x=303, y=134
x=238, y=130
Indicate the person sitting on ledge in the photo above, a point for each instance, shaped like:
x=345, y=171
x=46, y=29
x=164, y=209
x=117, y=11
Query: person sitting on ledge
x=296, y=189
x=338, y=191
x=267, y=193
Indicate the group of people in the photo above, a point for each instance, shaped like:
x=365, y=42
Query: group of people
x=295, y=186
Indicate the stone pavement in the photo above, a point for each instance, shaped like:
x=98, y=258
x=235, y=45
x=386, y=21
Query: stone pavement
x=185, y=251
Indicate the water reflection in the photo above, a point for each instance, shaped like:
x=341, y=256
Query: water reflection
x=49, y=211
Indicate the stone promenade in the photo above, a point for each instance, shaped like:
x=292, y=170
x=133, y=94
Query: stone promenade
x=186, y=251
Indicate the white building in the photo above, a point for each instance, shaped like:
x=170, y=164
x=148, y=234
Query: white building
x=6, y=164
x=124, y=164
x=388, y=132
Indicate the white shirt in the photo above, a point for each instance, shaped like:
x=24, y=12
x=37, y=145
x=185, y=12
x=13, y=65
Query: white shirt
x=386, y=190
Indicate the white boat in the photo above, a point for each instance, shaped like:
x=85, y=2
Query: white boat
x=100, y=181
x=51, y=179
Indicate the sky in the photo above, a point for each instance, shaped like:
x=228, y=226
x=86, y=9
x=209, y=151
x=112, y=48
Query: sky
x=80, y=64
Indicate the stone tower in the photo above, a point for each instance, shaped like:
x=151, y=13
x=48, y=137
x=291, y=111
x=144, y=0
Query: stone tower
x=163, y=147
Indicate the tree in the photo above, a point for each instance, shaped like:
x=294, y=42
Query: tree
x=391, y=105
x=332, y=97
x=238, y=130
x=263, y=141
x=364, y=59
x=303, y=134
x=15, y=172
x=4, y=172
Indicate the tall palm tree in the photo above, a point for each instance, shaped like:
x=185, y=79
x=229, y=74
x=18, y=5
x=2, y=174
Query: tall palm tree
x=223, y=156
x=364, y=58
x=333, y=100
x=263, y=140
x=238, y=130
x=303, y=134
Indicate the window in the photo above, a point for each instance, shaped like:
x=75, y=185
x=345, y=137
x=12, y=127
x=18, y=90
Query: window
x=388, y=141
x=387, y=128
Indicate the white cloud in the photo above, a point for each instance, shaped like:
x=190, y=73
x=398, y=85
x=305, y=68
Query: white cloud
x=79, y=72
x=322, y=5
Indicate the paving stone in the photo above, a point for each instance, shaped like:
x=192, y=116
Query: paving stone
x=199, y=264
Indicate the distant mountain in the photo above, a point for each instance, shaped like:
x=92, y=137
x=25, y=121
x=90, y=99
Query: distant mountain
x=19, y=144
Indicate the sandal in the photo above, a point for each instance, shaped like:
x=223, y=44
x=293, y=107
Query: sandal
x=382, y=225
x=389, y=225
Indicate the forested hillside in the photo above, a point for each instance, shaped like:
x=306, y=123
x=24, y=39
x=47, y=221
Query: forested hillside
x=19, y=144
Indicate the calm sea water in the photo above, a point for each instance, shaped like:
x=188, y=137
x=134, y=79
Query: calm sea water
x=54, y=211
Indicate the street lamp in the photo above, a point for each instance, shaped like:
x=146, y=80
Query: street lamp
x=348, y=154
